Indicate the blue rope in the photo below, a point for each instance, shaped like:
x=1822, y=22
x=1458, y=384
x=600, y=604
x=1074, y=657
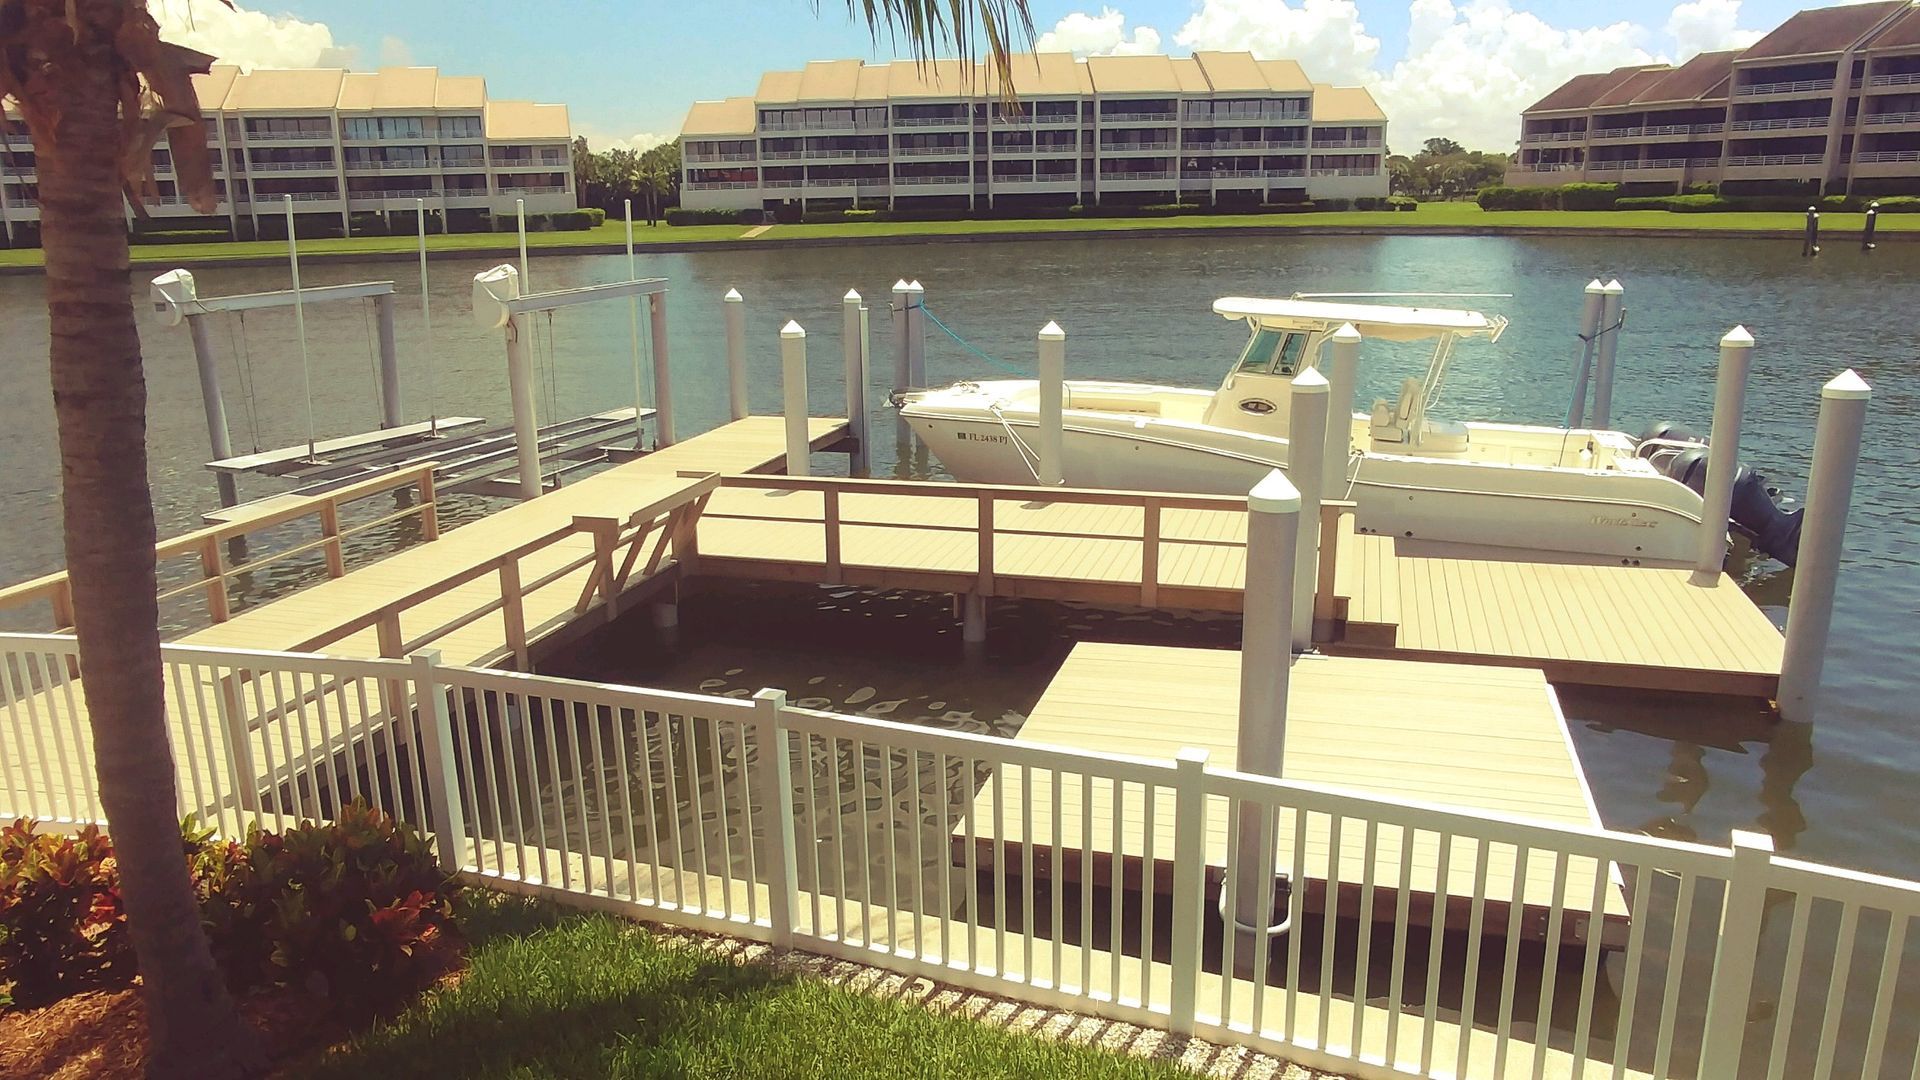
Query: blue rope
x=969, y=346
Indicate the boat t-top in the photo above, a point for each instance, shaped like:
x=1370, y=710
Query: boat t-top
x=1533, y=488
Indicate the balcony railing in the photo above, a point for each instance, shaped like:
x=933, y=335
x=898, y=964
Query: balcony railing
x=1799, y=86
x=291, y=166
x=1905, y=78
x=1872, y=119
x=287, y=136
x=1343, y=144
x=1032, y=121
x=1878, y=157
x=722, y=185
x=1243, y=144
x=922, y=181
x=530, y=163
x=721, y=157
x=932, y=151
x=296, y=196
x=1549, y=166
x=1554, y=136
x=1117, y=177
x=397, y=193
x=1137, y=118
x=782, y=155
x=1748, y=160
x=1346, y=170
x=926, y=121
x=783, y=183
x=395, y=166
x=1781, y=123
x=543, y=189
x=1648, y=165
x=1135, y=147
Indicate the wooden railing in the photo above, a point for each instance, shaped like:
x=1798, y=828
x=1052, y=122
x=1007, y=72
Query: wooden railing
x=210, y=544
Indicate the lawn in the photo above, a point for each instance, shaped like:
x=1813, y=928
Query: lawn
x=1430, y=216
x=571, y=995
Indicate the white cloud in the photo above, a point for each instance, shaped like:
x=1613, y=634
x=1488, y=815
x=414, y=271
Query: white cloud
x=1104, y=34
x=600, y=140
x=1326, y=35
x=1707, y=25
x=252, y=38
x=395, y=52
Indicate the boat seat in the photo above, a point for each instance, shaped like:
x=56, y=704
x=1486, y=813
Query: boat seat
x=1133, y=404
x=1394, y=424
x=1443, y=437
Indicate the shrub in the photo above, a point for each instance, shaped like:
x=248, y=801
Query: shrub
x=1588, y=196
x=1899, y=204
x=1334, y=205
x=1510, y=198
x=1406, y=204
x=1304, y=206
x=683, y=216
x=596, y=217
x=62, y=928
x=572, y=220
x=860, y=215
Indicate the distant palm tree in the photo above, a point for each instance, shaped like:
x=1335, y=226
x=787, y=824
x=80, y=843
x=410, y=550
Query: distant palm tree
x=97, y=87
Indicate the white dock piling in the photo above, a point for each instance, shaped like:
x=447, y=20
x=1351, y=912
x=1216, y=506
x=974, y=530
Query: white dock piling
x=392, y=414
x=793, y=390
x=1723, y=450
x=853, y=351
x=1307, y=424
x=916, y=333
x=1604, y=353
x=1836, y=457
x=1053, y=400
x=1590, y=312
x=902, y=355
x=219, y=440
x=1273, y=528
x=426, y=320
x=526, y=423
x=662, y=388
x=633, y=338
x=973, y=619
x=1342, y=369
x=735, y=306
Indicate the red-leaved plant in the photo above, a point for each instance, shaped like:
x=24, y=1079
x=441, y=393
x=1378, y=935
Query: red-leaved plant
x=62, y=928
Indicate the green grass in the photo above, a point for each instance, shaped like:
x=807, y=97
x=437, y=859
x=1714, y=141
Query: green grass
x=570, y=995
x=1430, y=216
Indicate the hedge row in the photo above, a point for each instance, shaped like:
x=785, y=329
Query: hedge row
x=1700, y=199
x=559, y=221
x=822, y=217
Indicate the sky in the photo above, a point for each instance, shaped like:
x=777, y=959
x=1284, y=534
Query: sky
x=1461, y=69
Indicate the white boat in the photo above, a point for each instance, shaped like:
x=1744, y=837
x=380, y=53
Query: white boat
x=1411, y=474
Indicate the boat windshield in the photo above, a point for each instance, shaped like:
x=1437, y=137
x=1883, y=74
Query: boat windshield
x=1273, y=352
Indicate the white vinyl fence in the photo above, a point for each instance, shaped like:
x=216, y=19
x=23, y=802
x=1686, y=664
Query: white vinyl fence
x=988, y=864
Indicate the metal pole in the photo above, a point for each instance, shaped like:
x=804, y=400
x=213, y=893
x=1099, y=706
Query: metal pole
x=1816, y=572
x=1053, y=400
x=1590, y=314
x=218, y=437
x=526, y=279
x=853, y=350
x=633, y=335
x=1342, y=370
x=1608, y=346
x=392, y=414
x=426, y=320
x=1306, y=453
x=300, y=323
x=662, y=383
x=793, y=392
x=916, y=333
x=1273, y=524
x=526, y=425
x=735, y=307
x=1723, y=449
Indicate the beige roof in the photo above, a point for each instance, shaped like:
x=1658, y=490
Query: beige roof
x=873, y=82
x=778, y=88
x=410, y=88
x=734, y=116
x=1233, y=72
x=1051, y=74
x=1286, y=75
x=212, y=88
x=525, y=120
x=286, y=88
x=460, y=92
x=908, y=79
x=829, y=80
x=1132, y=74
x=1190, y=78
x=1345, y=105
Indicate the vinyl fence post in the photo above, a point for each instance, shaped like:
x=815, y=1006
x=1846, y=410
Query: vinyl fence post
x=776, y=788
x=439, y=775
x=1306, y=458
x=1728, y=992
x=1189, y=885
x=1053, y=365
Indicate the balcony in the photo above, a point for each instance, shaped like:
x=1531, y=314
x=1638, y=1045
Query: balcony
x=933, y=151
x=1029, y=121
x=1777, y=89
x=1889, y=118
x=1648, y=165
x=288, y=136
x=783, y=183
x=697, y=158
x=1159, y=149
x=1346, y=144
x=296, y=196
x=393, y=166
x=408, y=194
x=1132, y=177
x=543, y=189
x=1346, y=170
x=1548, y=167
x=532, y=163
x=1555, y=136
x=722, y=185
x=1782, y=123
x=1110, y=119
x=925, y=121
x=1743, y=161
x=290, y=166
x=1887, y=157
x=933, y=181
x=1243, y=144
x=1905, y=78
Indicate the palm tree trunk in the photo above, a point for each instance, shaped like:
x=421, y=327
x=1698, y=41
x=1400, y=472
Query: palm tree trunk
x=100, y=400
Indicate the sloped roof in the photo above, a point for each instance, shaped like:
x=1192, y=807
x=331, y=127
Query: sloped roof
x=872, y=83
x=1703, y=78
x=1903, y=33
x=1345, y=104
x=1624, y=91
x=412, y=88
x=460, y=92
x=778, y=88
x=1232, y=72
x=1821, y=31
x=1049, y=74
x=286, y=88
x=1285, y=75
x=526, y=120
x=212, y=88
x=1580, y=91
x=734, y=116
x=908, y=79
x=1189, y=77
x=829, y=80
x=1132, y=74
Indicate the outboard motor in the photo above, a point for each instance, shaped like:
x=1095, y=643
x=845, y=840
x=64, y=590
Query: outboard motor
x=1754, y=514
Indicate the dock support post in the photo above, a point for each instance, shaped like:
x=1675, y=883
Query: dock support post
x=973, y=618
x=916, y=333
x=1590, y=313
x=219, y=439
x=1266, y=660
x=662, y=388
x=793, y=389
x=1306, y=450
x=1723, y=450
x=1604, y=353
x=1868, y=227
x=1342, y=370
x=437, y=746
x=392, y=415
x=1836, y=456
x=853, y=350
x=1810, y=246
x=736, y=320
x=1053, y=400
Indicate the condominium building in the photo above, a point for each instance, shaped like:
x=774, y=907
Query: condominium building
x=345, y=142
x=1828, y=102
x=1217, y=127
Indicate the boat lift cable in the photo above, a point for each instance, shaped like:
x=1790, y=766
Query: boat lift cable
x=373, y=356
x=970, y=346
x=243, y=365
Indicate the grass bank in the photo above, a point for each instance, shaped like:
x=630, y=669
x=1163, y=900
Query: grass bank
x=548, y=994
x=1438, y=218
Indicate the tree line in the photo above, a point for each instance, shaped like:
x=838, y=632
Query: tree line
x=608, y=178
x=1443, y=169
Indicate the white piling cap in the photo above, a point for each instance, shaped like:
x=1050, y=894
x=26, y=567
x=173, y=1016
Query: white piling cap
x=915, y=286
x=1847, y=386
x=1274, y=495
x=1737, y=338
x=1310, y=381
x=733, y=296
x=852, y=297
x=1594, y=286
x=900, y=286
x=1346, y=333
x=1052, y=332
x=792, y=330
x=1613, y=287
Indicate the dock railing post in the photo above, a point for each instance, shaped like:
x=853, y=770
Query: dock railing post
x=1053, y=401
x=793, y=391
x=392, y=414
x=1604, y=353
x=1723, y=450
x=1342, y=371
x=1306, y=452
x=1189, y=886
x=437, y=754
x=662, y=380
x=1590, y=312
x=853, y=349
x=776, y=786
x=735, y=307
x=916, y=333
x=1816, y=571
x=1730, y=988
x=1266, y=660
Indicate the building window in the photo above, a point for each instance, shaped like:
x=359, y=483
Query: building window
x=386, y=127
x=460, y=127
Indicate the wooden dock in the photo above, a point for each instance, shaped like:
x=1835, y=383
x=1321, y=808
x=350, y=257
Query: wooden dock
x=1470, y=738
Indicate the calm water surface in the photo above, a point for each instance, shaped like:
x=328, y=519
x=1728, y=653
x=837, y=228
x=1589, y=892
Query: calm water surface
x=1837, y=789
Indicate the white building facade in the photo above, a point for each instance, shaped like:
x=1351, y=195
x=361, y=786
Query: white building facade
x=1217, y=127
x=342, y=143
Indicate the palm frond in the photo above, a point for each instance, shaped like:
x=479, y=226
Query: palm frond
x=928, y=26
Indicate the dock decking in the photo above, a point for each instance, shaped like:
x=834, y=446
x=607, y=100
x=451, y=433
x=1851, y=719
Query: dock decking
x=1472, y=738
